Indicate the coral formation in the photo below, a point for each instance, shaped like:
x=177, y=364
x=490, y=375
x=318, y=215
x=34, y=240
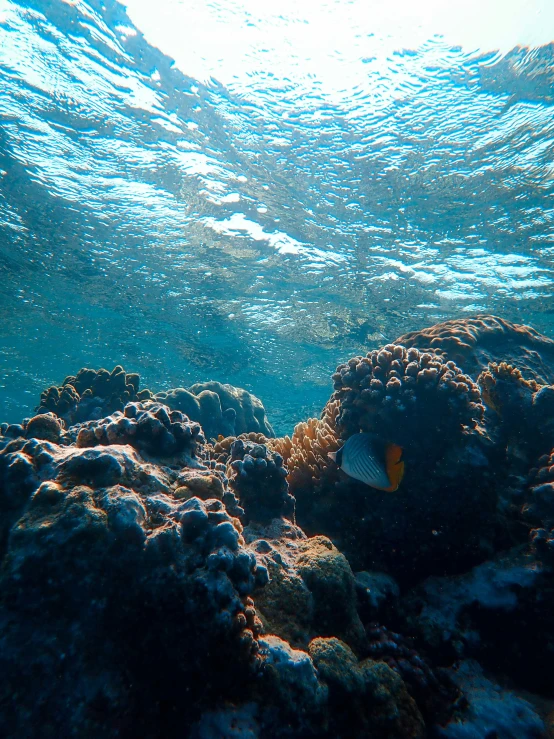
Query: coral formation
x=222, y=410
x=257, y=477
x=433, y=690
x=524, y=408
x=474, y=342
x=404, y=394
x=150, y=427
x=44, y=426
x=97, y=531
x=92, y=394
x=311, y=591
x=368, y=697
x=306, y=453
x=538, y=508
x=434, y=412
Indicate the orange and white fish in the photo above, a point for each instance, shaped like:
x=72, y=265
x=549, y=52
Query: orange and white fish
x=372, y=461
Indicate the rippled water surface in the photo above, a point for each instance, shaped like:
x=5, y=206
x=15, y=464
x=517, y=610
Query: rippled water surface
x=259, y=225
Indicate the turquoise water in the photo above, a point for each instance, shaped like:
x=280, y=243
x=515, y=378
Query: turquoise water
x=260, y=231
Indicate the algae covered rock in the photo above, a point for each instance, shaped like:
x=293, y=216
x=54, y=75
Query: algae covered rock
x=311, y=590
x=368, y=698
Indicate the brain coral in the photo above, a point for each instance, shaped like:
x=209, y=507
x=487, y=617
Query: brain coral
x=92, y=394
x=474, y=342
x=406, y=395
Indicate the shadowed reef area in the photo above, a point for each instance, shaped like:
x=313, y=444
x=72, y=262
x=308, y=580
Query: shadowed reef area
x=171, y=568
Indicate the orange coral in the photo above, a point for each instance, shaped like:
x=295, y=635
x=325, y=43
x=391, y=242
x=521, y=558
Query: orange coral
x=306, y=452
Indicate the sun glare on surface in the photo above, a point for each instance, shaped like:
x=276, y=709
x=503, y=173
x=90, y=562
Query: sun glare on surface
x=229, y=39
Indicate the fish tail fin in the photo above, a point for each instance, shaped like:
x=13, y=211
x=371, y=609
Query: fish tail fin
x=394, y=465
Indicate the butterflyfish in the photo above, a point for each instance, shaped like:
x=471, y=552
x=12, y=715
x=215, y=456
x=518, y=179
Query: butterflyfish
x=372, y=461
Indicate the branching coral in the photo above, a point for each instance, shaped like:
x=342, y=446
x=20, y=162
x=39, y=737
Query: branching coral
x=306, y=453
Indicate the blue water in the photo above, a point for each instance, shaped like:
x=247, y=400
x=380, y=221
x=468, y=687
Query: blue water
x=257, y=233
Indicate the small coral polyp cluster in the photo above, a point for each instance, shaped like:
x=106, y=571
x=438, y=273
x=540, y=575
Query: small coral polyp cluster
x=170, y=569
x=400, y=393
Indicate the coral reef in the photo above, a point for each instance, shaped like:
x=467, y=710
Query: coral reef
x=538, y=508
x=311, y=591
x=474, y=342
x=433, y=690
x=368, y=697
x=97, y=559
x=524, y=409
x=92, y=394
x=434, y=412
x=506, y=600
x=169, y=568
x=491, y=711
x=221, y=410
x=44, y=426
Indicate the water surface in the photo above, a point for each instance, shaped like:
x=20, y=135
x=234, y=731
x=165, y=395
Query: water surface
x=258, y=228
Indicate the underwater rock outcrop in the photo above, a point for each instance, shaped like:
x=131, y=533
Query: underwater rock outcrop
x=159, y=580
